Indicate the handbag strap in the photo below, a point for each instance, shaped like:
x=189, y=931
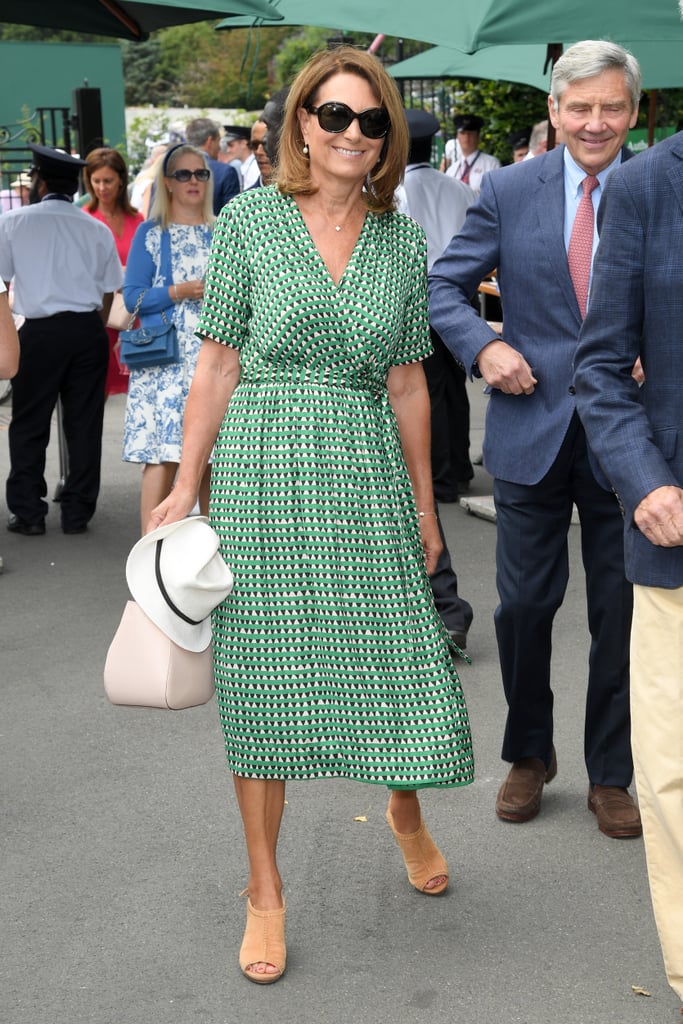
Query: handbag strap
x=164, y=592
x=133, y=315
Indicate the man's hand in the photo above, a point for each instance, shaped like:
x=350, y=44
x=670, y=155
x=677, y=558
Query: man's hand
x=504, y=368
x=660, y=517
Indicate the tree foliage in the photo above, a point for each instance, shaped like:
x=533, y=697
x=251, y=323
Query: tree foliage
x=668, y=111
x=143, y=80
x=10, y=33
x=301, y=43
x=504, y=107
x=218, y=69
x=295, y=51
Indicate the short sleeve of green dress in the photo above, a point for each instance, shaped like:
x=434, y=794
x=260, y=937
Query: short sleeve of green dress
x=330, y=657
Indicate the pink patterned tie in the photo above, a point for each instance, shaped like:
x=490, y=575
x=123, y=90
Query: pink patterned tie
x=580, y=251
x=465, y=176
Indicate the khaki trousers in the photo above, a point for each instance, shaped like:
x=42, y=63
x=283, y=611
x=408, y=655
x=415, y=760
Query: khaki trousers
x=657, y=738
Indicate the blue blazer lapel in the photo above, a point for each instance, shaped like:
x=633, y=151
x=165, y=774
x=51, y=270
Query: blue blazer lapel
x=549, y=202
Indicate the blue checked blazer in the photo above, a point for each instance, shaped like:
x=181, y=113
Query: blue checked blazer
x=516, y=227
x=636, y=308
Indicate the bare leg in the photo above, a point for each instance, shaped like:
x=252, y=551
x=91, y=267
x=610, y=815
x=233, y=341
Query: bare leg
x=404, y=808
x=261, y=802
x=157, y=483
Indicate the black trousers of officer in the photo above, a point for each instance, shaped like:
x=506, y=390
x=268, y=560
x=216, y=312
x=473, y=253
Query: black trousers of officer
x=456, y=613
x=61, y=356
x=446, y=382
x=532, y=565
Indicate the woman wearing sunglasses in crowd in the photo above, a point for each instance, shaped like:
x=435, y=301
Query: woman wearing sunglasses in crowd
x=330, y=658
x=166, y=265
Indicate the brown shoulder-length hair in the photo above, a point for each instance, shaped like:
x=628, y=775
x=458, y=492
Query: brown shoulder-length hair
x=111, y=158
x=293, y=171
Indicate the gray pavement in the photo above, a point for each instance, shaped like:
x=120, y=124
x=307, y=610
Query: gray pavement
x=121, y=855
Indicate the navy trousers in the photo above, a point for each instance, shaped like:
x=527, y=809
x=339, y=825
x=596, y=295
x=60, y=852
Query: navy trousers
x=532, y=571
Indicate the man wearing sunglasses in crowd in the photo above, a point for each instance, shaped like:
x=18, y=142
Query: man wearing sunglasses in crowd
x=265, y=138
x=205, y=134
x=259, y=130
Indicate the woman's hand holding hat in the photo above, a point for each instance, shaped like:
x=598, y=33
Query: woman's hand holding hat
x=177, y=576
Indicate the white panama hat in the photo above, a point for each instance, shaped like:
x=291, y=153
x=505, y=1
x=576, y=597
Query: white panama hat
x=177, y=577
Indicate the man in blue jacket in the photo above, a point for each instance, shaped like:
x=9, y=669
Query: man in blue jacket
x=206, y=134
x=636, y=310
x=535, y=447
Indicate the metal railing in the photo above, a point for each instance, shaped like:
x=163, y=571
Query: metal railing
x=46, y=126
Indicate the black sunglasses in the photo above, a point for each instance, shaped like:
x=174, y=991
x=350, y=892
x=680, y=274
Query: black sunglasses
x=336, y=117
x=202, y=174
x=253, y=146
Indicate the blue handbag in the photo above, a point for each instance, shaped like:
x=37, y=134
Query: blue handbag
x=148, y=346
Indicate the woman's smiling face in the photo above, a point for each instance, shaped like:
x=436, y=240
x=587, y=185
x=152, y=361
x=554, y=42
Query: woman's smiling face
x=348, y=155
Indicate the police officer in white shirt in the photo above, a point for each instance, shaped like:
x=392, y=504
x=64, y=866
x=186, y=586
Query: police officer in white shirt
x=65, y=269
x=469, y=163
x=435, y=201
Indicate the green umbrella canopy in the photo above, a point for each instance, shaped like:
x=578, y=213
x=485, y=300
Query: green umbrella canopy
x=522, y=64
x=468, y=26
x=126, y=19
x=661, y=64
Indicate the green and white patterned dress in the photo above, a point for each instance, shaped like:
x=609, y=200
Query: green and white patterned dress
x=330, y=657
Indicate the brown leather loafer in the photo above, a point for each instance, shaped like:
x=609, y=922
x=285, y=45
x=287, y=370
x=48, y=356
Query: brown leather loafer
x=616, y=811
x=519, y=798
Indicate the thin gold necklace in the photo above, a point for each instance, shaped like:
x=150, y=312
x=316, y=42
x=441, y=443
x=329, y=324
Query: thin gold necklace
x=338, y=227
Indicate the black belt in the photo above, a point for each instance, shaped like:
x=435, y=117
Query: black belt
x=66, y=312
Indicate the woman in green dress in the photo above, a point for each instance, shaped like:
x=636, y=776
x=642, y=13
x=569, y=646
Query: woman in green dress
x=330, y=658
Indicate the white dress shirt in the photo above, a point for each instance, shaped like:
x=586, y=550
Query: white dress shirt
x=250, y=172
x=435, y=201
x=479, y=164
x=61, y=259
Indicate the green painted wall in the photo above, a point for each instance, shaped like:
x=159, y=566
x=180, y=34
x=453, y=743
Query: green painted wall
x=45, y=75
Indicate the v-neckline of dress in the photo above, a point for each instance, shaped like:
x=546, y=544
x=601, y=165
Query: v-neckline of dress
x=296, y=213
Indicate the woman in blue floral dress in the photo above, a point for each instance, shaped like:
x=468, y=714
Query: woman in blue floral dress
x=166, y=265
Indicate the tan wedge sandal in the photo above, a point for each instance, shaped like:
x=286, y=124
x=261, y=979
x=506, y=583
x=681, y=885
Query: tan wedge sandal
x=264, y=943
x=422, y=857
